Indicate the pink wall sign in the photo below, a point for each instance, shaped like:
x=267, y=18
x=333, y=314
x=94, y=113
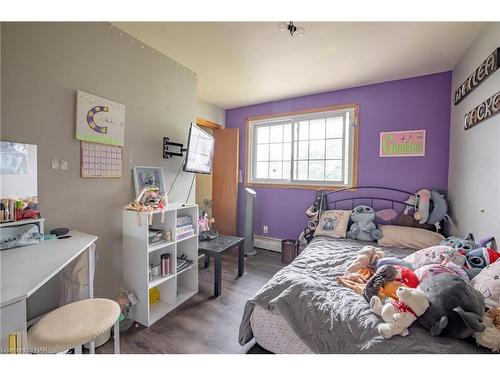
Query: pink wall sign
x=403, y=143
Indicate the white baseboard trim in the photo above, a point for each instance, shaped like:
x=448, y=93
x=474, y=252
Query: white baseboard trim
x=268, y=243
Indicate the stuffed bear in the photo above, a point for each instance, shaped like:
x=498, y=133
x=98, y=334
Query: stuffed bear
x=456, y=308
x=399, y=315
x=363, y=228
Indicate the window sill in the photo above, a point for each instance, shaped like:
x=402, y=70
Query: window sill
x=299, y=186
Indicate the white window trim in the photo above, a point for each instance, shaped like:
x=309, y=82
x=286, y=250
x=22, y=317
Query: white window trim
x=253, y=123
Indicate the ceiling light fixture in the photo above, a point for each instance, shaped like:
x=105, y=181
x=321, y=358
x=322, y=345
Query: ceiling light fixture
x=291, y=28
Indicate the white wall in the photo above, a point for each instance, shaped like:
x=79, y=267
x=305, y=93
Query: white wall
x=211, y=112
x=43, y=65
x=474, y=173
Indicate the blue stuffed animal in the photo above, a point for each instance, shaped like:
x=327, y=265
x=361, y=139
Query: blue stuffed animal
x=363, y=227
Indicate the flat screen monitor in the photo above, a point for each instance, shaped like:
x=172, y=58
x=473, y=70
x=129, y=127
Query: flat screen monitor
x=200, y=151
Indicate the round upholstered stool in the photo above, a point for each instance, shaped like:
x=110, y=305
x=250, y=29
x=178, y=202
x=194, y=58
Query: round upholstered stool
x=75, y=324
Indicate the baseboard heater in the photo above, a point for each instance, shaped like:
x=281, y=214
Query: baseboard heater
x=268, y=243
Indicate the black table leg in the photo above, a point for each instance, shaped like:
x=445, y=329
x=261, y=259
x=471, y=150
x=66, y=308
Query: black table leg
x=241, y=259
x=218, y=275
x=207, y=261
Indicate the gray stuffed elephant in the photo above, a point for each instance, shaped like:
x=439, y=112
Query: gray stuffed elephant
x=456, y=308
x=363, y=228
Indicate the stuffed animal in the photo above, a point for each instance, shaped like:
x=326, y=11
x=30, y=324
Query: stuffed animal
x=382, y=283
x=439, y=208
x=399, y=315
x=420, y=202
x=436, y=255
x=463, y=245
x=361, y=269
x=431, y=270
x=488, y=284
x=363, y=226
x=490, y=337
x=456, y=308
x=407, y=277
x=394, y=262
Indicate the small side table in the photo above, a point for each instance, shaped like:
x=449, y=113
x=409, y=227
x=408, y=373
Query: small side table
x=215, y=248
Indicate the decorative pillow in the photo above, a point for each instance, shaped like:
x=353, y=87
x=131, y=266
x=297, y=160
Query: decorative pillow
x=333, y=223
x=412, y=238
x=488, y=284
x=435, y=255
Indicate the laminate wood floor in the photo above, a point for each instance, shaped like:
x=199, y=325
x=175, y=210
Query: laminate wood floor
x=205, y=324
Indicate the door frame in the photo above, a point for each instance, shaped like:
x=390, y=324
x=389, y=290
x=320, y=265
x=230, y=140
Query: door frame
x=200, y=121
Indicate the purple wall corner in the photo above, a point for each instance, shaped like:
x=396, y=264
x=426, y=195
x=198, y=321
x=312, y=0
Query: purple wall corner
x=413, y=103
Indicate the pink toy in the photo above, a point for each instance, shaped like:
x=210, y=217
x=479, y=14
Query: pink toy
x=431, y=270
x=436, y=255
x=487, y=282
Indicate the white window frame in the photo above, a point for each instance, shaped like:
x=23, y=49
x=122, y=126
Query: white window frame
x=350, y=113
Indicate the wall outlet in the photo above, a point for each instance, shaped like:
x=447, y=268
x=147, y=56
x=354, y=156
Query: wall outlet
x=265, y=229
x=64, y=165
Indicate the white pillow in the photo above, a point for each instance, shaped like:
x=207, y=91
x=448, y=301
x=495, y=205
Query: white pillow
x=333, y=223
x=411, y=238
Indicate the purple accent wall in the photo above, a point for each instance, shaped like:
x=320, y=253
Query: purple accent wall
x=413, y=103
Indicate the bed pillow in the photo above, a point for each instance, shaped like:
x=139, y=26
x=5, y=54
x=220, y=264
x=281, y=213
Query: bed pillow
x=411, y=238
x=333, y=223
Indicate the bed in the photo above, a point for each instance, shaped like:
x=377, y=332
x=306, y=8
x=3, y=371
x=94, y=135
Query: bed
x=302, y=309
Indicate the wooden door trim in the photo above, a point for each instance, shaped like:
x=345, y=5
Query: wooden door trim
x=207, y=123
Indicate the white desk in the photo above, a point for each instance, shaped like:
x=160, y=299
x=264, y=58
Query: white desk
x=25, y=269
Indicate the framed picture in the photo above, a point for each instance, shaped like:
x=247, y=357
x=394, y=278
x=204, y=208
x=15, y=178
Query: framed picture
x=402, y=143
x=148, y=177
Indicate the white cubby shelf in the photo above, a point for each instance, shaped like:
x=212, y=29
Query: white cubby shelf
x=138, y=254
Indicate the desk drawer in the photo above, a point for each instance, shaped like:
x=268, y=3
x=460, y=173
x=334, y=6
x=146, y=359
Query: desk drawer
x=12, y=322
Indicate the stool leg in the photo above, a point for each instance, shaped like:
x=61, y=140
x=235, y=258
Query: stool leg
x=78, y=349
x=116, y=332
x=92, y=347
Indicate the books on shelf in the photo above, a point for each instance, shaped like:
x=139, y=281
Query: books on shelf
x=186, y=234
x=183, y=262
x=183, y=221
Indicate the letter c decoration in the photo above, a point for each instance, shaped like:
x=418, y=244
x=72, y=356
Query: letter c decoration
x=92, y=124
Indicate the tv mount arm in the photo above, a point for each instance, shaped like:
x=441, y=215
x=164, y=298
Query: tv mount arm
x=168, y=154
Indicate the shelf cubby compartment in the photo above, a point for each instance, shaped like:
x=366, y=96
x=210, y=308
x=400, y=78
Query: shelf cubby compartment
x=168, y=300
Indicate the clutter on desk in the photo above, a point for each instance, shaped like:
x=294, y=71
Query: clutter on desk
x=59, y=231
x=148, y=200
x=19, y=235
x=184, y=228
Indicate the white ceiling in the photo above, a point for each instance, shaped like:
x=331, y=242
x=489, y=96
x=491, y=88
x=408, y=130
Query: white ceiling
x=242, y=63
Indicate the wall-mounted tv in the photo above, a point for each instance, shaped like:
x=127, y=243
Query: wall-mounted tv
x=200, y=151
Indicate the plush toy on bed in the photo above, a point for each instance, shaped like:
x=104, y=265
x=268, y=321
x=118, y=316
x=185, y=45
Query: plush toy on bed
x=456, y=308
x=363, y=226
x=361, y=269
x=383, y=283
x=399, y=315
x=490, y=337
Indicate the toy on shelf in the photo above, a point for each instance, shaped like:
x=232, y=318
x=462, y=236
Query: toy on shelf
x=148, y=200
x=204, y=223
x=399, y=315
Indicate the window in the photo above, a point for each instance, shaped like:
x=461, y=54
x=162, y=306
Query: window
x=313, y=149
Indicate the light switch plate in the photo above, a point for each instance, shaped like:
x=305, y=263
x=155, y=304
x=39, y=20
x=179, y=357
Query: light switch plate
x=55, y=163
x=64, y=165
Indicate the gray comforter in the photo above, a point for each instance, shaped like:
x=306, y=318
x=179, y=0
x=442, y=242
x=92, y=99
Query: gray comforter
x=330, y=318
